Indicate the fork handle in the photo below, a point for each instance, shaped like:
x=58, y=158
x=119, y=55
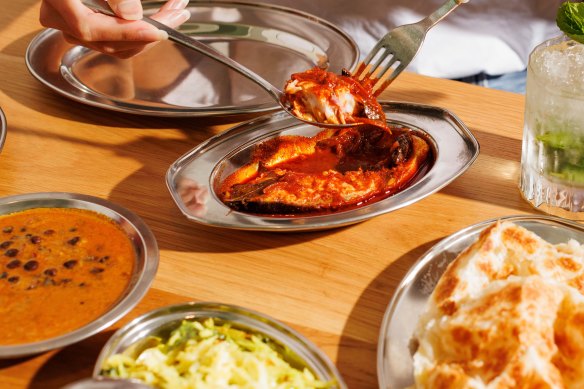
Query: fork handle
x=441, y=13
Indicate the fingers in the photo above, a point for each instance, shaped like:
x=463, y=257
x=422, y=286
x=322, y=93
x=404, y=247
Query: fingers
x=174, y=5
x=103, y=28
x=63, y=15
x=173, y=13
x=172, y=18
x=127, y=9
x=51, y=18
x=105, y=47
x=136, y=40
x=112, y=35
x=132, y=9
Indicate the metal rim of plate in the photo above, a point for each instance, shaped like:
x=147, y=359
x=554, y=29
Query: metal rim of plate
x=164, y=319
x=105, y=383
x=142, y=239
x=394, y=357
x=58, y=76
x=3, y=129
x=198, y=169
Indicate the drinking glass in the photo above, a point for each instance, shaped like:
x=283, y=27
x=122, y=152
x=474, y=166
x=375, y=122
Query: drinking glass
x=552, y=160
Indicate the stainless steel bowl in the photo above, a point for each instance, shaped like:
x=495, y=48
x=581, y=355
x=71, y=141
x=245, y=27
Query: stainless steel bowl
x=161, y=321
x=145, y=247
x=394, y=358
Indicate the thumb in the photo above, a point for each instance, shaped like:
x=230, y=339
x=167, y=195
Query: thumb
x=127, y=9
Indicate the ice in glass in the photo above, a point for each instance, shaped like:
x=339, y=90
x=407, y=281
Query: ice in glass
x=552, y=161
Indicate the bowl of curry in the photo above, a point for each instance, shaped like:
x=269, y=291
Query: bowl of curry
x=70, y=266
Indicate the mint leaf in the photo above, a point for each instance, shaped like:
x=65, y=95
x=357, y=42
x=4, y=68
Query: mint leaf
x=564, y=155
x=570, y=19
x=563, y=140
x=570, y=174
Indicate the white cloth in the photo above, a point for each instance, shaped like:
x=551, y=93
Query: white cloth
x=490, y=36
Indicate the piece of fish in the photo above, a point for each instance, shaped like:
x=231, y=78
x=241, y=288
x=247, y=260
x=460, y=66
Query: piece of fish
x=325, y=97
x=331, y=171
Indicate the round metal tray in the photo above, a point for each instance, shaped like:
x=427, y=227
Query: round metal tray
x=192, y=177
x=145, y=247
x=170, y=80
x=394, y=358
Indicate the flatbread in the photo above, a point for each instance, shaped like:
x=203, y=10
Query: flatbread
x=507, y=313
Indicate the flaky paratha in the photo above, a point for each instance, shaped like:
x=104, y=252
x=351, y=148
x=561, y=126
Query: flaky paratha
x=507, y=313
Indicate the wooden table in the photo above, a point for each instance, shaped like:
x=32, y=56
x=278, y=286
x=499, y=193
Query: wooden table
x=332, y=286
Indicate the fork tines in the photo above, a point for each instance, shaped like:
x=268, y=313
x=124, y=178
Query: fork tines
x=381, y=72
x=394, y=52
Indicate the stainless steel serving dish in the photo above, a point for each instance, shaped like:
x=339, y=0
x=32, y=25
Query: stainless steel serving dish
x=394, y=357
x=145, y=247
x=169, y=80
x=163, y=320
x=192, y=177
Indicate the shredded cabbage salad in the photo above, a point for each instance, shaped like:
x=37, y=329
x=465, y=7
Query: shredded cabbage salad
x=204, y=355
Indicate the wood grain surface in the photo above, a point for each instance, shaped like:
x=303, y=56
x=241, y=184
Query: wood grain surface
x=333, y=286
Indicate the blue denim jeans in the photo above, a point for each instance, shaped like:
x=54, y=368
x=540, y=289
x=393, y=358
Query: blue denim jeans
x=511, y=82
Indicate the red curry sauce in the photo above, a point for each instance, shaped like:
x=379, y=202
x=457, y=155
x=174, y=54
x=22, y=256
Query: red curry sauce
x=60, y=269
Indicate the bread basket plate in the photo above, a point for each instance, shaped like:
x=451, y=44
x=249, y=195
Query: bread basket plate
x=170, y=80
x=394, y=357
x=192, y=178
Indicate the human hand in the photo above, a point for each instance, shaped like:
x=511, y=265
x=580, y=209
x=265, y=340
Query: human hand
x=123, y=36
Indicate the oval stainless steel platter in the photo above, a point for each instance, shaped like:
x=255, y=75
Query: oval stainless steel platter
x=170, y=80
x=146, y=263
x=394, y=357
x=191, y=178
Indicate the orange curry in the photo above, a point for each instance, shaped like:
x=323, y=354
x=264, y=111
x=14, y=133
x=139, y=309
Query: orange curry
x=60, y=269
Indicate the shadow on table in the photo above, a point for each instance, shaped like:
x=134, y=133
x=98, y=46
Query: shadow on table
x=494, y=176
x=175, y=232
x=67, y=365
x=171, y=228
x=365, y=319
x=151, y=200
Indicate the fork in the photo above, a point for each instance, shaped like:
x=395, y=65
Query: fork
x=394, y=52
